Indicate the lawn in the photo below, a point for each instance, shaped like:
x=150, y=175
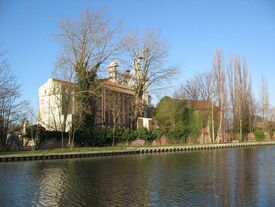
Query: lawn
x=94, y=149
x=65, y=150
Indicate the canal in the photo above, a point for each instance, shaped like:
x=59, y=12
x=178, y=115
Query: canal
x=221, y=177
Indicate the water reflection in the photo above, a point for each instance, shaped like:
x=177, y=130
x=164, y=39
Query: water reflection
x=51, y=187
x=228, y=177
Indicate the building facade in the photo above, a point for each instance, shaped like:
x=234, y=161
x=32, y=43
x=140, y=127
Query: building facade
x=57, y=109
x=53, y=108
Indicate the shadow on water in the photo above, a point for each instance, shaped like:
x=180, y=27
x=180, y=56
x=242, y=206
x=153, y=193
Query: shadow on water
x=227, y=177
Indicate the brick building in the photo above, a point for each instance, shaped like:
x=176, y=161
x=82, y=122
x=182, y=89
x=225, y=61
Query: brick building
x=113, y=104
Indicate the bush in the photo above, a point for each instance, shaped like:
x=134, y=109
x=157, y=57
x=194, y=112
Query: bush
x=176, y=120
x=141, y=133
x=92, y=137
x=104, y=137
x=179, y=134
x=259, y=133
x=127, y=135
x=271, y=133
x=157, y=133
x=55, y=134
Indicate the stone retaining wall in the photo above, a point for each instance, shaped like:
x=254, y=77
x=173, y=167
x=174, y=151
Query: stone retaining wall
x=202, y=147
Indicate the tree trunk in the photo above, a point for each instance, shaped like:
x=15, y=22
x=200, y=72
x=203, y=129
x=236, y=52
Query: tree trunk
x=241, y=130
x=219, y=133
x=114, y=128
x=213, y=128
x=62, y=139
x=69, y=138
x=73, y=136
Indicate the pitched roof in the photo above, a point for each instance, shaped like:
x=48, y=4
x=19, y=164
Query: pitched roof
x=106, y=83
x=118, y=87
x=62, y=81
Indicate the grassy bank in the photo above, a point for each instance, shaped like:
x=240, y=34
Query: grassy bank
x=107, y=149
x=65, y=150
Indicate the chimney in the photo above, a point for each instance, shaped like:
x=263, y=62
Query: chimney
x=112, y=71
x=127, y=74
x=126, y=77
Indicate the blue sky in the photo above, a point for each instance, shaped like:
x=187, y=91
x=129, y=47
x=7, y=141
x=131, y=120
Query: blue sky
x=193, y=29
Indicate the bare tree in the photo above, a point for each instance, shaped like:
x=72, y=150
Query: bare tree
x=113, y=103
x=242, y=103
x=86, y=45
x=64, y=93
x=190, y=90
x=264, y=101
x=231, y=92
x=62, y=108
x=219, y=77
x=253, y=111
x=199, y=87
x=10, y=104
x=86, y=42
x=147, y=57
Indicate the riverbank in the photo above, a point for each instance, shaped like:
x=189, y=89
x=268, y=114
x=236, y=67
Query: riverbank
x=114, y=151
x=64, y=150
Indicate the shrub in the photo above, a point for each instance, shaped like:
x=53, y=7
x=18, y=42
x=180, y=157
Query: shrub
x=55, y=134
x=127, y=135
x=259, y=133
x=157, y=133
x=179, y=134
x=141, y=133
x=194, y=125
x=93, y=136
x=271, y=133
x=102, y=137
x=176, y=120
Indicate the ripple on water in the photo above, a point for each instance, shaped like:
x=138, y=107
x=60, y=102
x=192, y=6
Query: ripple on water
x=233, y=177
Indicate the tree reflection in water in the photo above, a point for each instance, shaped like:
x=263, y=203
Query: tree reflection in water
x=225, y=177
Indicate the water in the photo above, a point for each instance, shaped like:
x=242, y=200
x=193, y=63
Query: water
x=226, y=177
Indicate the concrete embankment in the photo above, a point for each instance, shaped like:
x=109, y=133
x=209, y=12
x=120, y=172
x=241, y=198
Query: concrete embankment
x=10, y=158
x=202, y=147
x=139, y=150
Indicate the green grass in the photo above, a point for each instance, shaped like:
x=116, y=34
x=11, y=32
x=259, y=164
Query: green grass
x=65, y=150
x=85, y=149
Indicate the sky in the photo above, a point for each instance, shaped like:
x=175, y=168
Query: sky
x=194, y=29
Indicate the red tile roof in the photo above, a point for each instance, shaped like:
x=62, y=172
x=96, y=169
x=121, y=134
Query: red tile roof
x=105, y=83
x=116, y=85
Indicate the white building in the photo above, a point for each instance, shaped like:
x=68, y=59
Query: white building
x=51, y=108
